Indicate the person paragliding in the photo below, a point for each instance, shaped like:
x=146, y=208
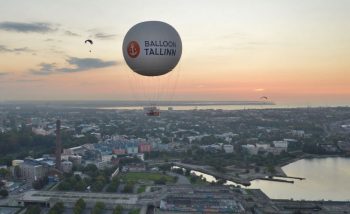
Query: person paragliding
x=89, y=41
x=152, y=49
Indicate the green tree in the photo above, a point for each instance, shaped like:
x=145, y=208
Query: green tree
x=128, y=188
x=4, y=193
x=34, y=209
x=58, y=208
x=79, y=206
x=80, y=186
x=118, y=209
x=113, y=186
x=134, y=211
x=160, y=181
x=4, y=173
x=98, y=208
x=271, y=169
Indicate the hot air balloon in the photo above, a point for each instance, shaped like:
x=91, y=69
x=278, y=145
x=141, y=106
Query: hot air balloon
x=152, y=49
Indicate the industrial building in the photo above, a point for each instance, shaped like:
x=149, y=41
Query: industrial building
x=34, y=169
x=201, y=200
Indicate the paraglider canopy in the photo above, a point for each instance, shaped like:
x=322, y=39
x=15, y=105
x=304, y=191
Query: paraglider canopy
x=89, y=41
x=152, y=48
x=264, y=97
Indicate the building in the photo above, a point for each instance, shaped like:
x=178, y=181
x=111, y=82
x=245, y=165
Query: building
x=32, y=169
x=281, y=144
x=16, y=162
x=344, y=146
x=50, y=198
x=145, y=147
x=201, y=200
x=79, y=150
x=58, y=150
x=119, y=151
x=251, y=149
x=228, y=148
x=132, y=149
x=75, y=159
x=67, y=166
x=298, y=133
x=263, y=147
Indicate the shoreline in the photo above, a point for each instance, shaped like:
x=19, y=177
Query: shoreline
x=304, y=156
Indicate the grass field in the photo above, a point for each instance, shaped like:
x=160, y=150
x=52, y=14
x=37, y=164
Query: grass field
x=141, y=189
x=144, y=176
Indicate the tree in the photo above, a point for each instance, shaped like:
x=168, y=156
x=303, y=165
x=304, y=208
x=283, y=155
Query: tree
x=4, y=193
x=57, y=208
x=271, y=169
x=118, y=209
x=134, y=211
x=193, y=179
x=4, y=173
x=34, y=209
x=91, y=170
x=112, y=187
x=79, y=206
x=98, y=208
x=80, y=186
x=128, y=188
x=160, y=181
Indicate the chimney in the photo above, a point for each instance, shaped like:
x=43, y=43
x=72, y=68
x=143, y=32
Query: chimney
x=58, y=145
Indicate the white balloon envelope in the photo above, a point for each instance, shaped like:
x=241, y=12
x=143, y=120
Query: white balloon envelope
x=152, y=48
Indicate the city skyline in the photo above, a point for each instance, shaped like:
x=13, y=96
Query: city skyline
x=290, y=51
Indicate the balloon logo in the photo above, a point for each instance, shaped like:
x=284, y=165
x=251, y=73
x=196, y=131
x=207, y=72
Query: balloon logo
x=133, y=49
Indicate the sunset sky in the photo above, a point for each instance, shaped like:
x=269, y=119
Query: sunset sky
x=293, y=51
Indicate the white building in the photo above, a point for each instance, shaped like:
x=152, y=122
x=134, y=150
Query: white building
x=16, y=162
x=32, y=170
x=298, y=133
x=67, y=166
x=132, y=149
x=263, y=147
x=280, y=144
x=251, y=149
x=227, y=148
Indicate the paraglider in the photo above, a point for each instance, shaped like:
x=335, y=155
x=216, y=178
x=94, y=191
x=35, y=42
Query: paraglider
x=152, y=49
x=264, y=97
x=90, y=42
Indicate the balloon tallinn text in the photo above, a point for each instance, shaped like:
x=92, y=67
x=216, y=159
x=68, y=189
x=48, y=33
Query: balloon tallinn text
x=152, y=48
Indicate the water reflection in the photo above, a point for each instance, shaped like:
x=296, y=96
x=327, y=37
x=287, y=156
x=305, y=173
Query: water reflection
x=326, y=179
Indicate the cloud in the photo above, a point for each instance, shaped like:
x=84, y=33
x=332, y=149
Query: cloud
x=4, y=73
x=52, y=40
x=83, y=64
x=77, y=65
x=45, y=69
x=259, y=89
x=29, y=80
x=70, y=33
x=104, y=36
x=4, y=49
x=22, y=27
